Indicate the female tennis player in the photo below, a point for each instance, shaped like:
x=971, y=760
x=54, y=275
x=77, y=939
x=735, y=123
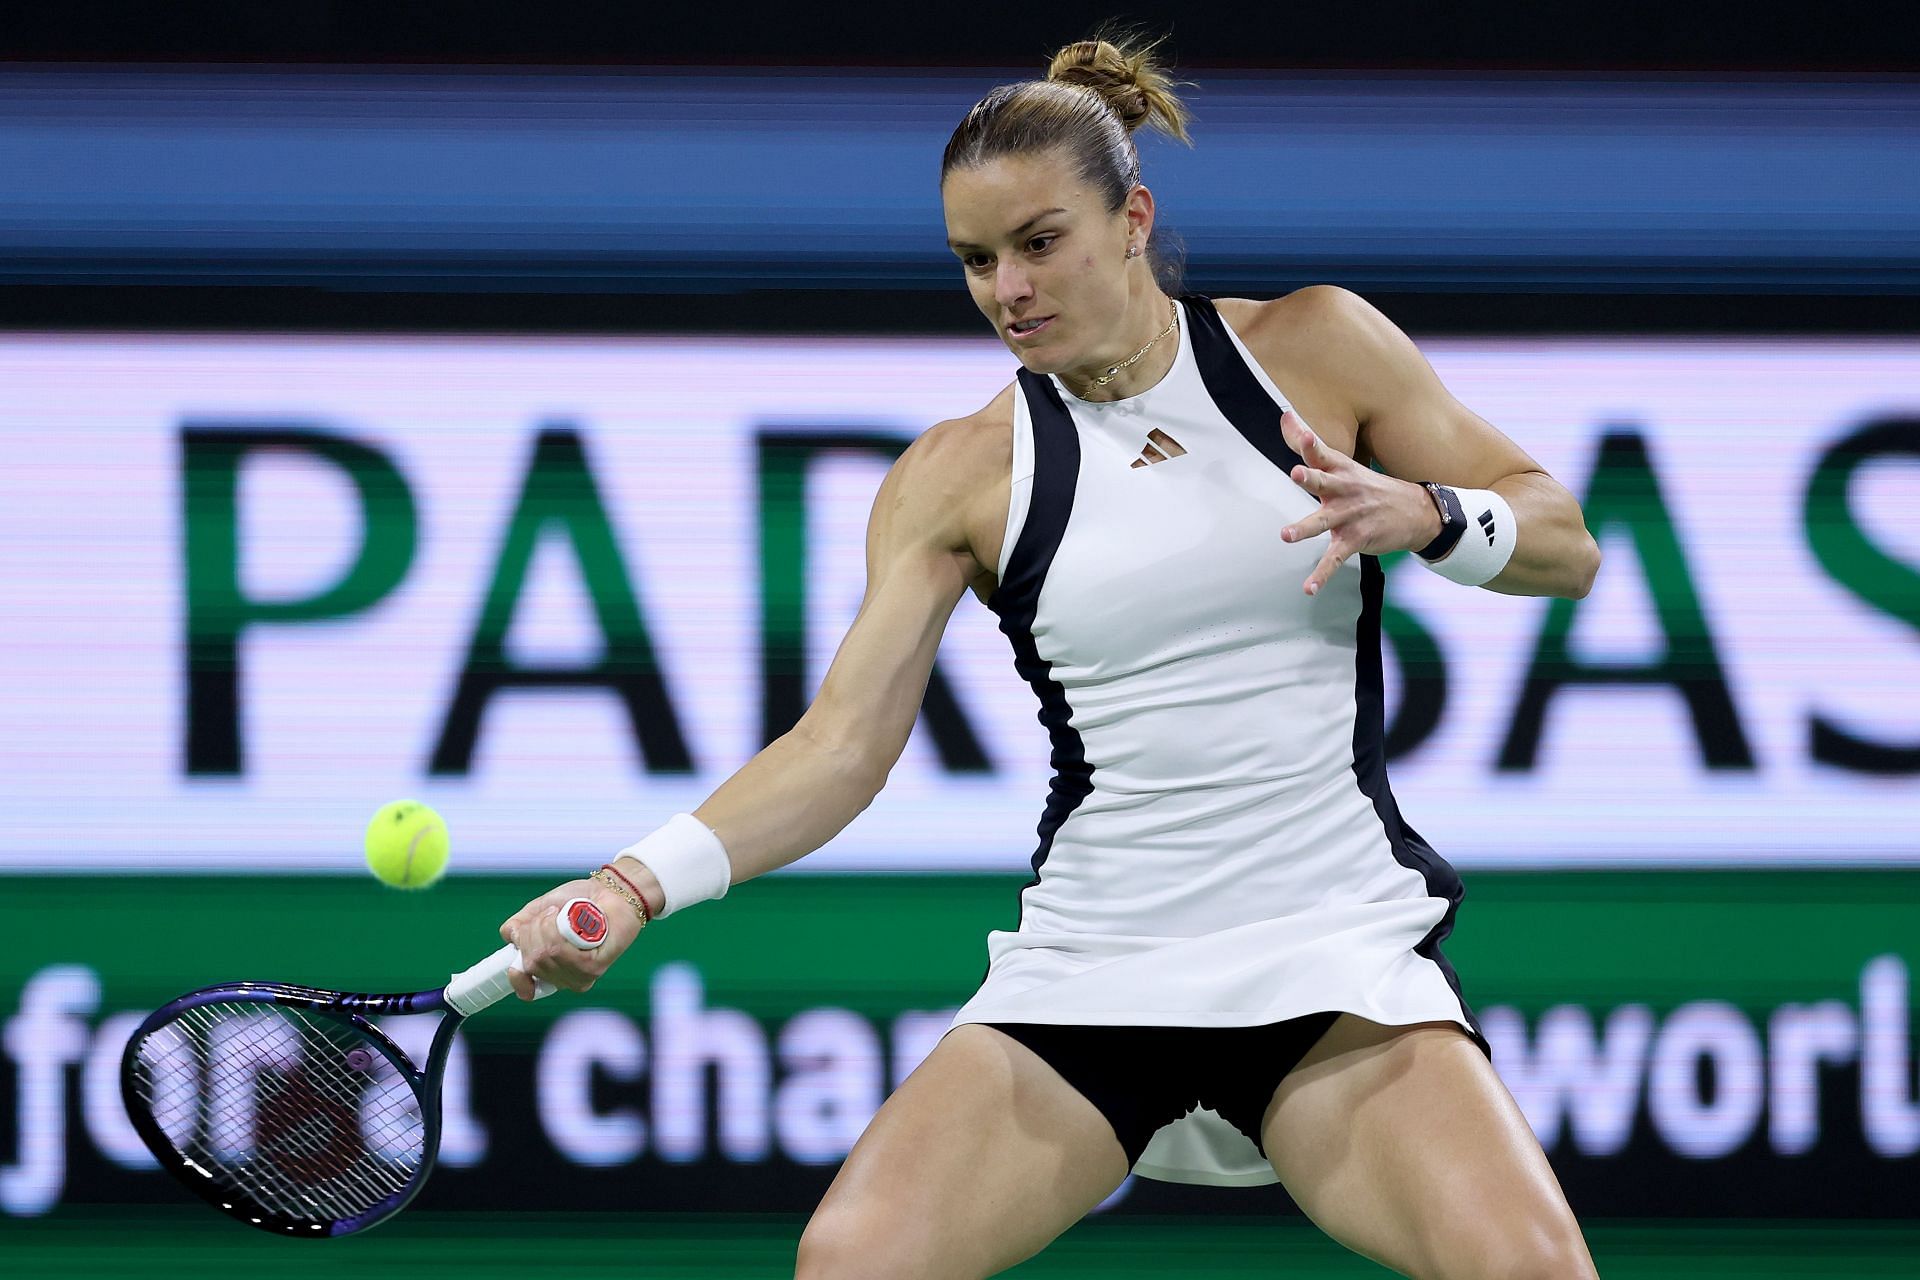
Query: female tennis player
x=1227, y=967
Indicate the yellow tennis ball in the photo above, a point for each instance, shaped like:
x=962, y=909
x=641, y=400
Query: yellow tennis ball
x=407, y=845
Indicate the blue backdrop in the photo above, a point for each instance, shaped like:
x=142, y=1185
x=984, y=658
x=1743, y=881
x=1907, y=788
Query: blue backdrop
x=670, y=181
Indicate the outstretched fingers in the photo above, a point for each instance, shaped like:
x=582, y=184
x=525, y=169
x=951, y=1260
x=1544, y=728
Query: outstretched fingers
x=1312, y=450
x=1293, y=431
x=1314, y=482
x=1329, y=565
x=1322, y=473
x=1311, y=527
x=1308, y=476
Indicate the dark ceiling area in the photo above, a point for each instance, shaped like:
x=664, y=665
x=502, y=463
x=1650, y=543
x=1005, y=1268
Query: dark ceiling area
x=1655, y=36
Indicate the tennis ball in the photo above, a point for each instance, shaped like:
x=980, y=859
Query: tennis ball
x=407, y=845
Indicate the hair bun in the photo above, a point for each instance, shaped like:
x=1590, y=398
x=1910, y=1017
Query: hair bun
x=1122, y=71
x=1103, y=68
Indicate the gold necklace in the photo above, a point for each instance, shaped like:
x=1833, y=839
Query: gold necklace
x=1172, y=321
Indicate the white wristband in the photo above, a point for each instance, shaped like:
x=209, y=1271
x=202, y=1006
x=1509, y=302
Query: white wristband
x=1486, y=544
x=687, y=859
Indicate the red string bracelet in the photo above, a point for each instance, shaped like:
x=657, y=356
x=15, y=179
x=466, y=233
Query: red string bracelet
x=646, y=914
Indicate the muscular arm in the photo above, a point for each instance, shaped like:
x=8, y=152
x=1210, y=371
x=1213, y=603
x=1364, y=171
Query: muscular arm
x=1408, y=422
x=809, y=783
x=800, y=790
x=797, y=793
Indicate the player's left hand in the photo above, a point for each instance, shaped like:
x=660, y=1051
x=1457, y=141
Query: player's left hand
x=1366, y=512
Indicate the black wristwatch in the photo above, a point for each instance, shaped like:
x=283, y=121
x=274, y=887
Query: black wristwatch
x=1453, y=521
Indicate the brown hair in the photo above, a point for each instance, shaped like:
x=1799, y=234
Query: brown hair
x=1097, y=92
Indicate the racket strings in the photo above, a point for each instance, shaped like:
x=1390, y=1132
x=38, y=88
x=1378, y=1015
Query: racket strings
x=297, y=1114
x=294, y=1113
x=263, y=1141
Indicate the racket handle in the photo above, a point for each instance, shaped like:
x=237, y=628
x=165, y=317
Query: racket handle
x=486, y=983
x=580, y=922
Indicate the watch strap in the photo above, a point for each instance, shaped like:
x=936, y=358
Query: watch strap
x=1453, y=522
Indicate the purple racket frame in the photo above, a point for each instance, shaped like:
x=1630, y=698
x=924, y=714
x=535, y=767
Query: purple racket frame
x=340, y=1006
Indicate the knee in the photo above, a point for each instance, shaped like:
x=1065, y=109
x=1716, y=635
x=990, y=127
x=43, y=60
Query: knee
x=851, y=1245
x=1538, y=1255
x=831, y=1248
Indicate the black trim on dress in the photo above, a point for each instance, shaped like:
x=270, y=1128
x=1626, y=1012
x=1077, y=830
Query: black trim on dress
x=1234, y=388
x=1056, y=476
x=1246, y=403
x=1370, y=771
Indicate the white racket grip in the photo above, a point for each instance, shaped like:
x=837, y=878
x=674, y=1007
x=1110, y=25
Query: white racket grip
x=486, y=983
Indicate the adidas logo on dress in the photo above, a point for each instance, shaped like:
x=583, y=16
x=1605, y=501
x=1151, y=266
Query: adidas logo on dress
x=1161, y=447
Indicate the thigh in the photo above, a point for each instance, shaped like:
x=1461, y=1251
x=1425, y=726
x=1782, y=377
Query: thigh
x=980, y=1158
x=1403, y=1144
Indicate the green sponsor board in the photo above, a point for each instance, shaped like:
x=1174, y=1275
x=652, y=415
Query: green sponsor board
x=1711, y=1043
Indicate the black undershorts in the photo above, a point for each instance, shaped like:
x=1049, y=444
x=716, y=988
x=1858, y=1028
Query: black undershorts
x=1141, y=1078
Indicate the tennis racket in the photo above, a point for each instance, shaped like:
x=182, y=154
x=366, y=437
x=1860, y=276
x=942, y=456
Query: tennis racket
x=286, y=1109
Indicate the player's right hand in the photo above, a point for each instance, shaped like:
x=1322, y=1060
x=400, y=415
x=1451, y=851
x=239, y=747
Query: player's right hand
x=544, y=953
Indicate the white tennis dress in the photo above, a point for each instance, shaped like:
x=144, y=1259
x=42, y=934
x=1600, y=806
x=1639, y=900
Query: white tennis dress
x=1219, y=847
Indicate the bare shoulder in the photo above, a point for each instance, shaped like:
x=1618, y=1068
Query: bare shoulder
x=1327, y=348
x=1322, y=321
x=958, y=451
x=1343, y=361
x=952, y=483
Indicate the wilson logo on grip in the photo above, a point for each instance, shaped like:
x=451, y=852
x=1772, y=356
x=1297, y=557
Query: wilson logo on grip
x=588, y=921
